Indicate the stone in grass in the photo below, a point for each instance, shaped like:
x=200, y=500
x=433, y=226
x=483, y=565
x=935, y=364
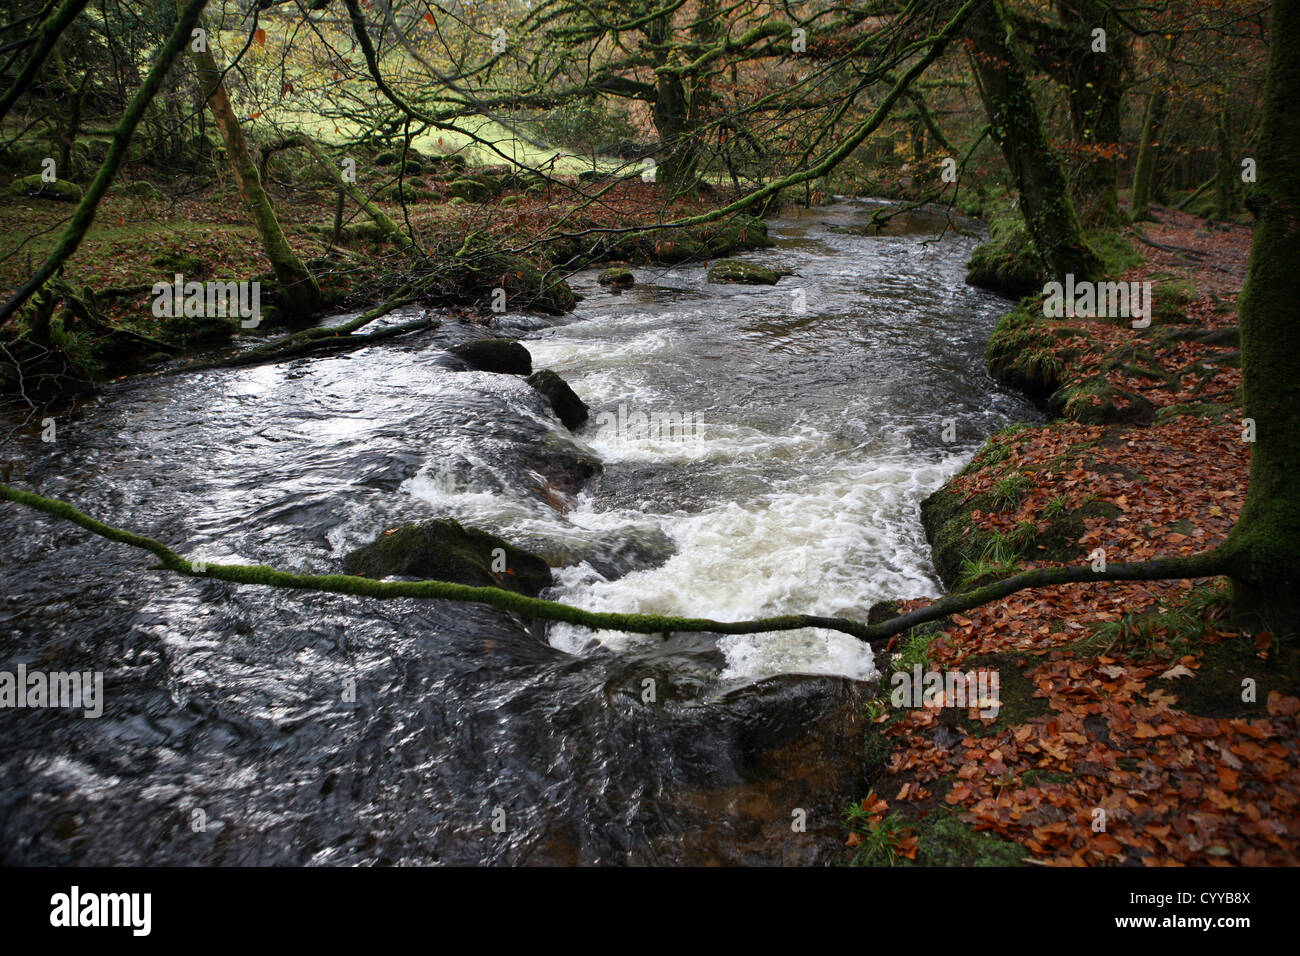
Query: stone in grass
x=34, y=186
x=442, y=549
x=470, y=190
x=143, y=190
x=568, y=407
x=496, y=355
x=735, y=270
x=617, y=277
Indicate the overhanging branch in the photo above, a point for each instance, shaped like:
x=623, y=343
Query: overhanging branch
x=1204, y=564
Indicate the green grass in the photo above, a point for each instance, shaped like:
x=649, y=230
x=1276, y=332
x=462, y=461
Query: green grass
x=999, y=558
x=879, y=839
x=1118, y=252
x=943, y=839
x=1164, y=632
x=1007, y=492
x=913, y=650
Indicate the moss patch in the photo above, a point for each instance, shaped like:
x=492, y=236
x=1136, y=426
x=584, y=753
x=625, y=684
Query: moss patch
x=1008, y=262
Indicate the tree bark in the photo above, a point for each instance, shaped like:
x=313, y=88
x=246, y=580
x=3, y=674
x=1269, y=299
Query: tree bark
x=1144, y=172
x=1095, y=92
x=671, y=111
x=1014, y=120
x=1225, y=197
x=1265, y=544
x=299, y=296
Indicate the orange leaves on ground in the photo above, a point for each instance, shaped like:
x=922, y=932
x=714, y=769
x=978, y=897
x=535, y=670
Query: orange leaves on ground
x=1114, y=773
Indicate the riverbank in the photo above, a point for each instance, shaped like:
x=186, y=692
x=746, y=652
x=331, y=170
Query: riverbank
x=1137, y=726
x=475, y=230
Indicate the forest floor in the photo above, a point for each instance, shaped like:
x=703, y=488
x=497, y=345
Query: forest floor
x=136, y=241
x=1136, y=727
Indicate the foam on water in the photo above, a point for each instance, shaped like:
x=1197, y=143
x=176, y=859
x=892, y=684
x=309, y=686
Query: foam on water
x=790, y=477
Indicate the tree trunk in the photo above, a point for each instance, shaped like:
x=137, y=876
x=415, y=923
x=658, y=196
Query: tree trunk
x=1013, y=117
x=671, y=111
x=1265, y=544
x=1225, y=198
x=377, y=215
x=299, y=296
x=66, y=155
x=1094, y=92
x=1144, y=172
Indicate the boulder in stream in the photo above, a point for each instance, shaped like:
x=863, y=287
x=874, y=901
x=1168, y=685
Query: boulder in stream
x=568, y=407
x=496, y=355
x=617, y=277
x=442, y=549
x=737, y=270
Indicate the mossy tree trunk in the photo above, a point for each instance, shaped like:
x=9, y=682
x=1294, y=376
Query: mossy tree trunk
x=377, y=215
x=299, y=296
x=1265, y=544
x=1225, y=179
x=1144, y=172
x=1014, y=119
x=672, y=116
x=1095, y=92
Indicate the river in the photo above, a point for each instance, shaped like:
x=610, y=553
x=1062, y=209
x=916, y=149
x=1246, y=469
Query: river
x=250, y=726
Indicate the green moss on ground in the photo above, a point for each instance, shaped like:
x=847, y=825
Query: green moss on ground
x=1008, y=262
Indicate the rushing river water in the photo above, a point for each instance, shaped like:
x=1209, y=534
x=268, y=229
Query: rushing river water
x=808, y=420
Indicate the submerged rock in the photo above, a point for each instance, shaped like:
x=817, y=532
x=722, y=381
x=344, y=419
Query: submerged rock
x=568, y=407
x=444, y=550
x=736, y=270
x=496, y=355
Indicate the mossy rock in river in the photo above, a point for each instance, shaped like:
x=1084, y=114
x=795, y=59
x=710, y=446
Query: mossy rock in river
x=35, y=187
x=496, y=355
x=443, y=550
x=1008, y=262
x=681, y=249
x=736, y=270
x=617, y=277
x=568, y=407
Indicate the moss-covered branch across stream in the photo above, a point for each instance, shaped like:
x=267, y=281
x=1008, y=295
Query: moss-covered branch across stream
x=1205, y=564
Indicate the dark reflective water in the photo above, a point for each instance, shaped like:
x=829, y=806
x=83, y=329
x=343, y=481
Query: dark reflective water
x=816, y=409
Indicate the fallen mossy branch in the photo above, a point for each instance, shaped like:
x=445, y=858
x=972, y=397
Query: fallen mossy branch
x=311, y=341
x=1203, y=564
